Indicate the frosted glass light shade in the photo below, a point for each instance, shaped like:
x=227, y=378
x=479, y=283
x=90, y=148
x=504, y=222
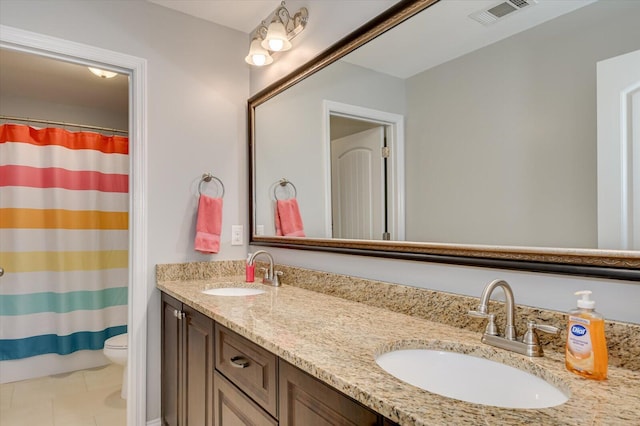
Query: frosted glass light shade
x=276, y=39
x=257, y=55
x=102, y=73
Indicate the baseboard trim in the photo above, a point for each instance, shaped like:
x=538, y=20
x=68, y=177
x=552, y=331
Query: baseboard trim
x=155, y=422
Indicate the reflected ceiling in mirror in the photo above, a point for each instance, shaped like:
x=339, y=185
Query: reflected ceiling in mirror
x=497, y=153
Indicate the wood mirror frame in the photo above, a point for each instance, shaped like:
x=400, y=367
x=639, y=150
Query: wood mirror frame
x=614, y=264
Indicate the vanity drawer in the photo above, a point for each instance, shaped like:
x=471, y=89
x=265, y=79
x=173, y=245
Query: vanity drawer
x=232, y=407
x=253, y=369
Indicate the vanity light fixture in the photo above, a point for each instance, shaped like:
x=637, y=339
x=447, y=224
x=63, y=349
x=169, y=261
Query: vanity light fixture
x=102, y=73
x=258, y=55
x=276, y=37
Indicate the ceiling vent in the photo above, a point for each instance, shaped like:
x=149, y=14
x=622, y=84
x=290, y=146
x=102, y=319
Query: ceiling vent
x=500, y=11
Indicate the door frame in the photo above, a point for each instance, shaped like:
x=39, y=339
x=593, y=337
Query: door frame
x=83, y=54
x=617, y=154
x=395, y=167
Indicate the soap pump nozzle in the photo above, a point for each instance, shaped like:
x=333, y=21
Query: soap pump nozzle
x=585, y=301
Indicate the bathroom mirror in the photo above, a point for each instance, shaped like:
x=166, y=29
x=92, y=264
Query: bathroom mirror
x=495, y=117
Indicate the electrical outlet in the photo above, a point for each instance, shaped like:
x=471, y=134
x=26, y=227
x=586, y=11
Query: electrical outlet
x=236, y=235
x=260, y=230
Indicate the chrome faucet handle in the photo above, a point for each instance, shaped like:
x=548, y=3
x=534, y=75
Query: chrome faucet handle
x=492, y=328
x=531, y=337
x=531, y=326
x=276, y=278
x=478, y=314
x=265, y=273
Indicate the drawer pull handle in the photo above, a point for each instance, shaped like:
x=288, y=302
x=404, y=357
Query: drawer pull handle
x=239, y=362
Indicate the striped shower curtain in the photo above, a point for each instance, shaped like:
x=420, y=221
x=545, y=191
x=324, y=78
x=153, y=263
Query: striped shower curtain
x=63, y=240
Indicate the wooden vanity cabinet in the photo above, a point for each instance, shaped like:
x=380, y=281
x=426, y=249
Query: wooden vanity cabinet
x=187, y=365
x=306, y=401
x=214, y=376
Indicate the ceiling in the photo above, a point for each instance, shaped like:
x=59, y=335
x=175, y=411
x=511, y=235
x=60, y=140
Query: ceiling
x=241, y=15
x=417, y=44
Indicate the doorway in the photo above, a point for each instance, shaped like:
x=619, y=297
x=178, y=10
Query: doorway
x=38, y=44
x=358, y=179
x=64, y=238
x=365, y=172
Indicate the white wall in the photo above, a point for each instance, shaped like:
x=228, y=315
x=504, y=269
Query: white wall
x=198, y=84
x=616, y=299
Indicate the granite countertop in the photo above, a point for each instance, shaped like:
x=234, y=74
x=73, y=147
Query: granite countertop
x=336, y=340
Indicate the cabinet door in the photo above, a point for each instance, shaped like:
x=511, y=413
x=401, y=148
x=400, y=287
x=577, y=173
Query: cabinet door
x=198, y=368
x=233, y=408
x=305, y=401
x=171, y=361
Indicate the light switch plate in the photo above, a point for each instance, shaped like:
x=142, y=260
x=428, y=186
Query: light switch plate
x=236, y=235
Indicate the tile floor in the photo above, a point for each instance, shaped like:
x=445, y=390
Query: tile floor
x=81, y=398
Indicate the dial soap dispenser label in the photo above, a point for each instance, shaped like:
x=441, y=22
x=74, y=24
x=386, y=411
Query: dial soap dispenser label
x=579, y=338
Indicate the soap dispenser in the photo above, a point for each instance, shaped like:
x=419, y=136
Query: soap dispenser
x=586, y=349
x=250, y=270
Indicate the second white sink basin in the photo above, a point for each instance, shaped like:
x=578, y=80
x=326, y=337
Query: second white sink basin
x=470, y=379
x=233, y=291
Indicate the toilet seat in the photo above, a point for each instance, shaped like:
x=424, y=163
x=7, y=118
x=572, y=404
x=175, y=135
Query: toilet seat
x=116, y=342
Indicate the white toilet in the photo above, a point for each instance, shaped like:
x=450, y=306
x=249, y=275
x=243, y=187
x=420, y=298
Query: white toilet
x=116, y=350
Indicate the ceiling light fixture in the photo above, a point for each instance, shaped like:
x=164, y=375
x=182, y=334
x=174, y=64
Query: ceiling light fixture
x=276, y=37
x=102, y=73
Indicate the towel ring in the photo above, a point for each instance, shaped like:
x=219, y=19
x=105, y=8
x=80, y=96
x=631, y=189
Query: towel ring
x=207, y=177
x=284, y=182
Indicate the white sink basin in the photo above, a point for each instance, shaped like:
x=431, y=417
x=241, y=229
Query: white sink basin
x=470, y=379
x=233, y=291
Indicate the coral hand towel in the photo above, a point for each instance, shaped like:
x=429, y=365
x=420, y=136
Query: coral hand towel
x=208, y=224
x=288, y=219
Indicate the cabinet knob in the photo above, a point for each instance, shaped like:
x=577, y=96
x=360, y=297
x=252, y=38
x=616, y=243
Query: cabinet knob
x=239, y=362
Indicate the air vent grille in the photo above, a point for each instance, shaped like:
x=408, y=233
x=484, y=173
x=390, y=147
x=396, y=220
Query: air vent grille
x=500, y=10
x=520, y=3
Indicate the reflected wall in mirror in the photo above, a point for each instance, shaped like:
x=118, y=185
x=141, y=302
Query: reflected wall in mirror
x=508, y=137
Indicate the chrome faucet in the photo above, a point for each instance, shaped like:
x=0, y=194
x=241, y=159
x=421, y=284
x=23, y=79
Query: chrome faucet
x=482, y=310
x=529, y=345
x=270, y=276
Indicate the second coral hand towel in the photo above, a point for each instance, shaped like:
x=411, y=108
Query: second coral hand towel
x=288, y=219
x=208, y=225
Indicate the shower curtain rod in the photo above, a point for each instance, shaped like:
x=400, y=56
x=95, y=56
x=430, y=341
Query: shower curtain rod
x=62, y=123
